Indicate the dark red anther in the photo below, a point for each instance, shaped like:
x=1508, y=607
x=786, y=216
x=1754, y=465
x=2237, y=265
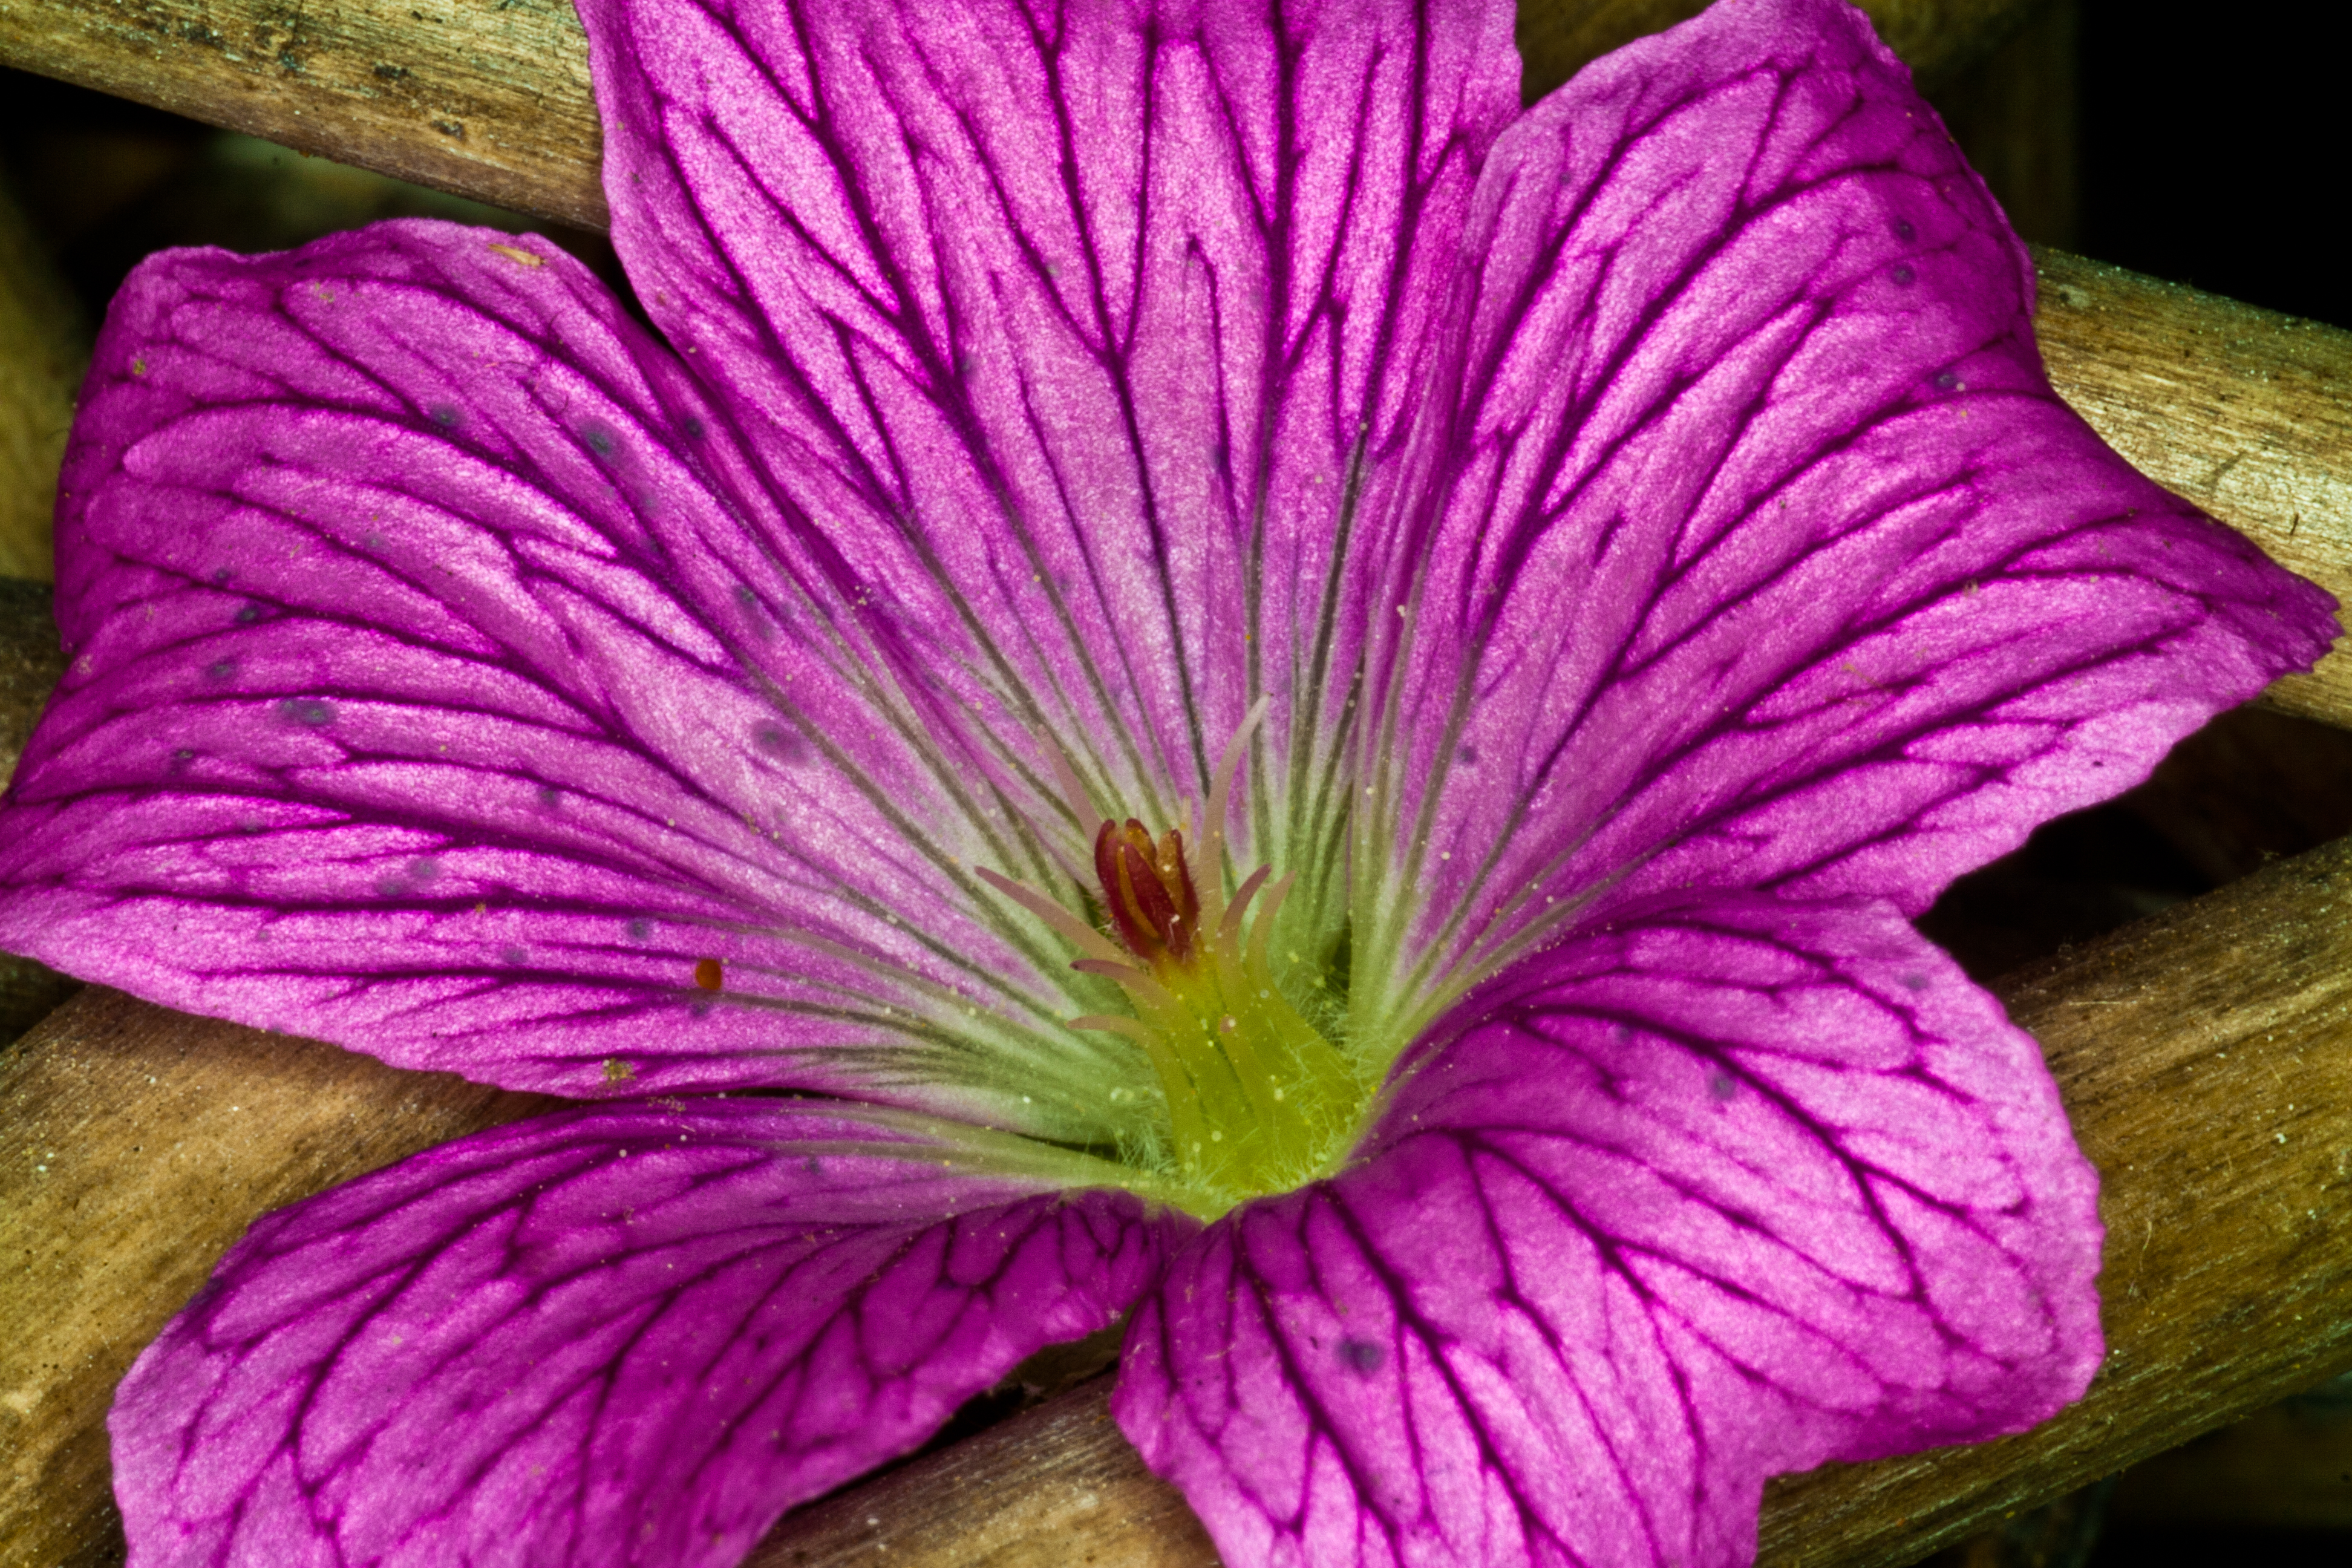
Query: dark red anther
x=1149, y=889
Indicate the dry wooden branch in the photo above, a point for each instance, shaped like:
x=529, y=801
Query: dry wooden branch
x=491, y=98
x=485, y=98
x=2245, y=412
x=2206, y=1056
x=44, y=348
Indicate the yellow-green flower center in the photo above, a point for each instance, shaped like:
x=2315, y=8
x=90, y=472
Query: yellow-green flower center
x=1258, y=1101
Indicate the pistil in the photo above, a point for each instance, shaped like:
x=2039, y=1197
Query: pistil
x=1257, y=1099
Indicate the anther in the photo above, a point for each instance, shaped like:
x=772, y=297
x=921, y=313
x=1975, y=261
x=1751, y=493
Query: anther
x=1148, y=889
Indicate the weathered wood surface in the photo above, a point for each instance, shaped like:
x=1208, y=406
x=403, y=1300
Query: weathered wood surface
x=135, y=1144
x=44, y=348
x=2206, y=1057
x=485, y=98
x=2245, y=412
x=30, y=663
x=491, y=98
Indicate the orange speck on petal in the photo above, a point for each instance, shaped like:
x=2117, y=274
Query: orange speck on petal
x=516, y=253
x=707, y=973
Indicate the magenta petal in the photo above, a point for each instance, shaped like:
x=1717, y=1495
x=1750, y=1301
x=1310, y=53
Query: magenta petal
x=442, y=685
x=1738, y=1186
x=1769, y=557
x=1090, y=331
x=624, y=1335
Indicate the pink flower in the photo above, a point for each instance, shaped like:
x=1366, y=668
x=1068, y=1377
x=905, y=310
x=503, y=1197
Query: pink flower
x=1206, y=674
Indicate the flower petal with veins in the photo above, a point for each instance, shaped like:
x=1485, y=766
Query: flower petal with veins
x=623, y=1335
x=1736, y=1186
x=1765, y=554
x=1091, y=331
x=441, y=685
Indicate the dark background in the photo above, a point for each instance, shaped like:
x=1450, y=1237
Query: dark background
x=2214, y=148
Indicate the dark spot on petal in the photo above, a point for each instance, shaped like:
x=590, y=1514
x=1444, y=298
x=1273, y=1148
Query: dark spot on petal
x=390, y=886
x=1946, y=380
x=710, y=974
x=250, y=612
x=1903, y=275
x=694, y=427
x=311, y=713
x=511, y=953
x=1622, y=1033
x=222, y=574
x=252, y=824
x=220, y=669
x=813, y=1165
x=1904, y=231
x=181, y=757
x=424, y=870
x=446, y=415
x=1914, y=981
x=1361, y=1356
x=549, y=797
x=753, y=610
x=599, y=439
x=1467, y=755
x=781, y=743
x=1722, y=1085
x=641, y=927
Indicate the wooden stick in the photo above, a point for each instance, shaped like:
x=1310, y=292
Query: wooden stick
x=485, y=98
x=44, y=348
x=491, y=98
x=2245, y=412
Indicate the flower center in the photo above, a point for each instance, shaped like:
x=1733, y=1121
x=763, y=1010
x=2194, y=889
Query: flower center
x=1258, y=1101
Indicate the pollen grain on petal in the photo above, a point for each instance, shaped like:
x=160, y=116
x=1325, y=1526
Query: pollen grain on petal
x=710, y=974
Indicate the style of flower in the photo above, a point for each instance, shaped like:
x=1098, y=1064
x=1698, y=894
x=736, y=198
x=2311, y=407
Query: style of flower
x=1287, y=700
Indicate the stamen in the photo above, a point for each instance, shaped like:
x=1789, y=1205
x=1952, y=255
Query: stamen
x=1263, y=930
x=1229, y=929
x=1141, y=986
x=1149, y=890
x=1221, y=795
x=1080, y=935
